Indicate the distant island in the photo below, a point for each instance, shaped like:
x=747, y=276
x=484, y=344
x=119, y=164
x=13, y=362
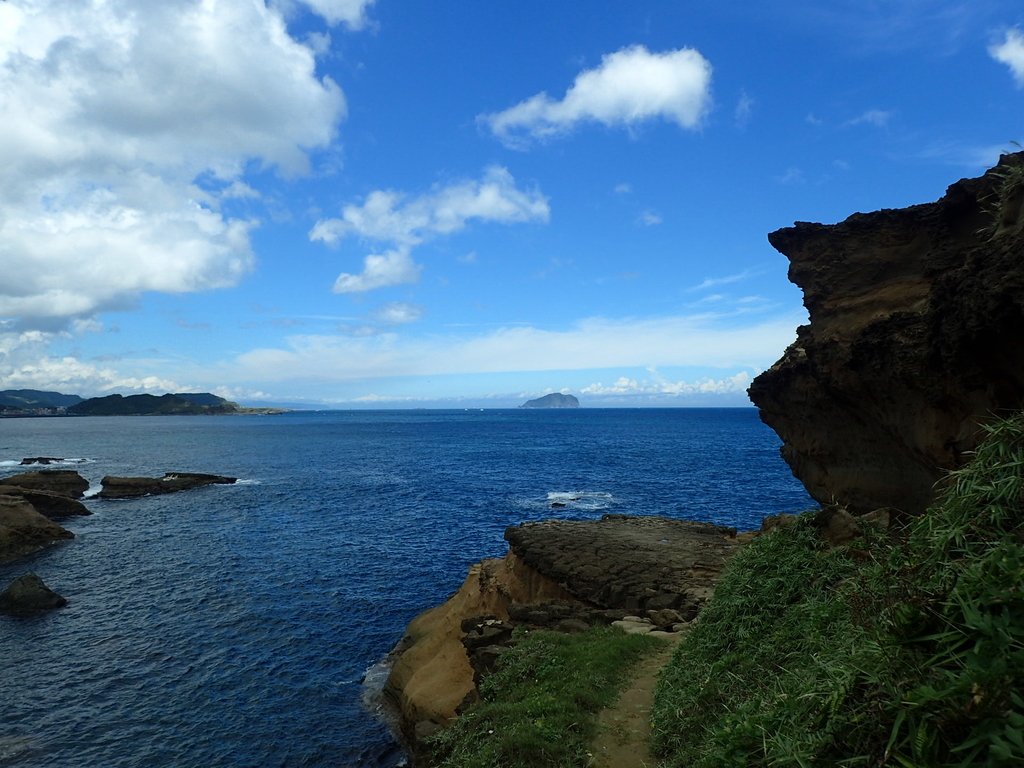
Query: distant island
x=554, y=400
x=30, y=402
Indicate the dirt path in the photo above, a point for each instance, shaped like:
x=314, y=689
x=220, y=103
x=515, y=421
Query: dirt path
x=624, y=734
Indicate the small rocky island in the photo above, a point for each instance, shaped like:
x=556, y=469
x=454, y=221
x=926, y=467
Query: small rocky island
x=554, y=400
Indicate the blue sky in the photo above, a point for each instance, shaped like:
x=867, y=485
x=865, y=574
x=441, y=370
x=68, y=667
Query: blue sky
x=372, y=203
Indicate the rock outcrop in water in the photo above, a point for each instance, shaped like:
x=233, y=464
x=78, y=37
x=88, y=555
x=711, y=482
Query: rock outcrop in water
x=63, y=482
x=134, y=487
x=916, y=337
x=23, y=530
x=27, y=595
x=562, y=574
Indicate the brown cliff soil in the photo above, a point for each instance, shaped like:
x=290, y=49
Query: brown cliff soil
x=432, y=674
x=916, y=337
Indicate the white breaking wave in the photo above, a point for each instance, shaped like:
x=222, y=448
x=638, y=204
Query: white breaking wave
x=588, y=500
x=56, y=463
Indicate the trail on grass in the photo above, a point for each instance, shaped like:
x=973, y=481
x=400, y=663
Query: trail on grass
x=624, y=729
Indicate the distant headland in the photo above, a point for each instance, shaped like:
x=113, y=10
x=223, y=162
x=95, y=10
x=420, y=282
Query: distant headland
x=32, y=402
x=554, y=400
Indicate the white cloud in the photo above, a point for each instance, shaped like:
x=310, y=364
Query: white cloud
x=711, y=282
x=380, y=270
x=1011, y=53
x=744, y=109
x=712, y=340
x=623, y=386
x=389, y=217
x=398, y=313
x=650, y=218
x=24, y=364
x=630, y=86
x=352, y=13
x=879, y=118
x=109, y=113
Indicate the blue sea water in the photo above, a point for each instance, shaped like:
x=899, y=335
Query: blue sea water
x=233, y=625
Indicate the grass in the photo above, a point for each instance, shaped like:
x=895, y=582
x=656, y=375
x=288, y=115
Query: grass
x=539, y=708
x=905, y=649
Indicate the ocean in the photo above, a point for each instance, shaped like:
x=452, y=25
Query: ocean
x=234, y=625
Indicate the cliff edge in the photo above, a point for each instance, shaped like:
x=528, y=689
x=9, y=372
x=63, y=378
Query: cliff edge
x=916, y=337
x=558, y=573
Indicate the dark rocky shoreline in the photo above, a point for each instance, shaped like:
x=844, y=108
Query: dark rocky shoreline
x=32, y=502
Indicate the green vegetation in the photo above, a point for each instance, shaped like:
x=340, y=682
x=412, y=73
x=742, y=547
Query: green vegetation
x=186, y=403
x=539, y=708
x=902, y=649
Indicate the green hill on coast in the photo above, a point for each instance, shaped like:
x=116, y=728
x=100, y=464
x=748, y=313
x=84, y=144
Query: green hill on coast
x=139, y=405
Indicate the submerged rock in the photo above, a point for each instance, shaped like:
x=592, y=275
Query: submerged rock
x=63, y=482
x=916, y=337
x=27, y=595
x=133, y=487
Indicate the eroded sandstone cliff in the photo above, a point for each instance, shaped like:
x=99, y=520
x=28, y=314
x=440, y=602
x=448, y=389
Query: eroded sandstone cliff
x=916, y=337
x=563, y=574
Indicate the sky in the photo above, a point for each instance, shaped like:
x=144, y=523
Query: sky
x=394, y=204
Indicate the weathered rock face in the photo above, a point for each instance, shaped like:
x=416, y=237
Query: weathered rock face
x=916, y=337
x=63, y=482
x=133, y=487
x=27, y=595
x=23, y=530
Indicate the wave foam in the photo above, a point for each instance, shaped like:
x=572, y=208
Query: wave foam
x=588, y=500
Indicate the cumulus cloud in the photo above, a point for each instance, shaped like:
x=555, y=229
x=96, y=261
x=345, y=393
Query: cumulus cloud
x=25, y=364
x=650, y=218
x=629, y=86
x=624, y=386
x=1011, y=53
x=390, y=217
x=351, y=13
x=109, y=114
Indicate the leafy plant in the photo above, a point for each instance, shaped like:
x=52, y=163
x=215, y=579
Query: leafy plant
x=903, y=650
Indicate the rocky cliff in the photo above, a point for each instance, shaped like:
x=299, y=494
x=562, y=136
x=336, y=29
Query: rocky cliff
x=560, y=574
x=916, y=337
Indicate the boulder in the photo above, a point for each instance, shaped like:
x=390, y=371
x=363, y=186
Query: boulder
x=27, y=595
x=44, y=460
x=63, y=482
x=134, y=487
x=23, y=530
x=915, y=339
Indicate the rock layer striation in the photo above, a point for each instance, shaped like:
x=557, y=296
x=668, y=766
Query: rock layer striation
x=915, y=339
